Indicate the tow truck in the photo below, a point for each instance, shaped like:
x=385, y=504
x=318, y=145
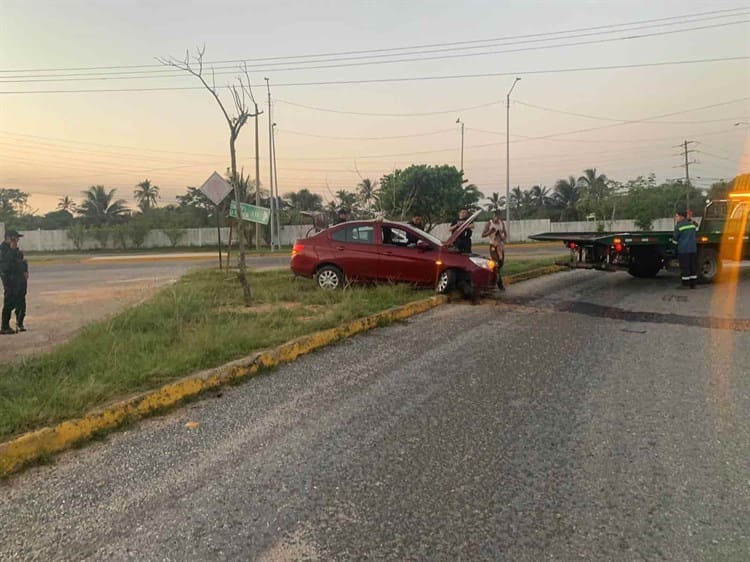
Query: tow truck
x=724, y=233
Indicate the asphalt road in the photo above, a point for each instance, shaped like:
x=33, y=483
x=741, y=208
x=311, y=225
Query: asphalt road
x=585, y=416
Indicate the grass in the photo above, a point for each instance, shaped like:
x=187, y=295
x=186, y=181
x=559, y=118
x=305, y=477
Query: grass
x=197, y=323
x=512, y=266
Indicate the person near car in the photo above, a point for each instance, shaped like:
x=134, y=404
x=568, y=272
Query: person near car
x=14, y=272
x=463, y=242
x=497, y=234
x=687, y=249
x=342, y=215
x=415, y=222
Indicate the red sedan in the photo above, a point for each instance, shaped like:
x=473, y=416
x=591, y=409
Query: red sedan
x=380, y=250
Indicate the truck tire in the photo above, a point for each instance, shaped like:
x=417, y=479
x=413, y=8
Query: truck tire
x=709, y=265
x=644, y=263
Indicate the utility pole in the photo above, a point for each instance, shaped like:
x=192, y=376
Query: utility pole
x=685, y=152
x=257, y=178
x=462, y=142
x=507, y=154
x=276, y=186
x=270, y=158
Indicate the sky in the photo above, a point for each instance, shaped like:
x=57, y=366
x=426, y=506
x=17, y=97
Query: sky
x=138, y=120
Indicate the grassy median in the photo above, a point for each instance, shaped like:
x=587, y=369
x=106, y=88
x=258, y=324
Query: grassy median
x=197, y=323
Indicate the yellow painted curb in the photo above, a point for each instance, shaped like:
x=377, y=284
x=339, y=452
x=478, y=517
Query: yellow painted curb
x=29, y=447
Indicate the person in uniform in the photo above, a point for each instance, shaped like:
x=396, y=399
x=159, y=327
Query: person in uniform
x=14, y=271
x=342, y=215
x=687, y=249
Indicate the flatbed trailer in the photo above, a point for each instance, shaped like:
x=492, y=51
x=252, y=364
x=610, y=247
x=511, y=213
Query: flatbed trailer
x=645, y=254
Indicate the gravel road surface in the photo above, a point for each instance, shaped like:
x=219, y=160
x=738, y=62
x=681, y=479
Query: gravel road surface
x=583, y=416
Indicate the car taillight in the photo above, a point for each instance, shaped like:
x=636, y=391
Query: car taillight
x=297, y=249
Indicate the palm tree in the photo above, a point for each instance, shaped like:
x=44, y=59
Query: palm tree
x=305, y=200
x=497, y=202
x=540, y=196
x=367, y=192
x=595, y=187
x=66, y=203
x=146, y=194
x=99, y=206
x=566, y=198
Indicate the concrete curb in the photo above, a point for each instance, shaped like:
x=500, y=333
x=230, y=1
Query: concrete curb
x=30, y=447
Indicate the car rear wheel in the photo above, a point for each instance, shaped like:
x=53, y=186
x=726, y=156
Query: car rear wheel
x=329, y=277
x=446, y=281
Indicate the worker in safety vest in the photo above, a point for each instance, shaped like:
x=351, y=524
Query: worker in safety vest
x=687, y=249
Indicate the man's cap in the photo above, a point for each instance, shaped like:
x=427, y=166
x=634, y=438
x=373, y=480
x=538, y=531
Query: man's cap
x=681, y=212
x=342, y=210
x=13, y=234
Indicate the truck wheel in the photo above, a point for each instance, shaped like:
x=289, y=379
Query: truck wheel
x=645, y=264
x=446, y=281
x=709, y=265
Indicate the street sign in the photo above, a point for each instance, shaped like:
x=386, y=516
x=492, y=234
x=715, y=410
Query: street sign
x=251, y=212
x=216, y=188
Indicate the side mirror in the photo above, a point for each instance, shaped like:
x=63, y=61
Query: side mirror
x=423, y=246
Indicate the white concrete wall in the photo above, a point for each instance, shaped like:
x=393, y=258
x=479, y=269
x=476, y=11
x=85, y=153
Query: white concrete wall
x=58, y=240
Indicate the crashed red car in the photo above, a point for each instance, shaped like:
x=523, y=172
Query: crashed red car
x=381, y=250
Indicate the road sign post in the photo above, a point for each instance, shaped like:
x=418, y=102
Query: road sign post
x=216, y=189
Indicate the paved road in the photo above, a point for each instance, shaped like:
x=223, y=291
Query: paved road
x=585, y=416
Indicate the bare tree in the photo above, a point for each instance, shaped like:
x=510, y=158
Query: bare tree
x=240, y=91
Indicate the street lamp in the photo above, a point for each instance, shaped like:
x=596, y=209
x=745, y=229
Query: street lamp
x=738, y=123
x=507, y=154
x=462, y=142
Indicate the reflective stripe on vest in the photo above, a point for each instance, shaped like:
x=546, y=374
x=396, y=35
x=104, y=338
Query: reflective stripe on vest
x=687, y=227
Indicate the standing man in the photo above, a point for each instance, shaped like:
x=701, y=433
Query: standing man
x=495, y=230
x=342, y=215
x=463, y=242
x=687, y=249
x=14, y=272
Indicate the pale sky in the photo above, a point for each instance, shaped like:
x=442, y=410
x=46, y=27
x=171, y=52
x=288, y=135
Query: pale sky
x=56, y=143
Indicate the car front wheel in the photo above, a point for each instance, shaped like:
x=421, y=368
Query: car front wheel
x=446, y=281
x=329, y=278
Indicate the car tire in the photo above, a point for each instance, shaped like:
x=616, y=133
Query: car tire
x=446, y=281
x=709, y=265
x=329, y=278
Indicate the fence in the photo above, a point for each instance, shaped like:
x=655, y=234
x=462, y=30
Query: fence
x=58, y=240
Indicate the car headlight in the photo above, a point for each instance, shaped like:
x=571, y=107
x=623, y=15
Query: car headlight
x=484, y=263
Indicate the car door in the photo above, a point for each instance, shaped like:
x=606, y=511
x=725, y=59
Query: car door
x=354, y=250
x=406, y=256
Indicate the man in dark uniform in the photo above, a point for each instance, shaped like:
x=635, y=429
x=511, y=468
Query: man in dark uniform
x=463, y=242
x=687, y=249
x=14, y=272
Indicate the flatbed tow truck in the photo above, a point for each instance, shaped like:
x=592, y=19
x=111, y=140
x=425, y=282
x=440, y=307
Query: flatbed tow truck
x=725, y=226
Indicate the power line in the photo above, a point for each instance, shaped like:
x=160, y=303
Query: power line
x=728, y=13
x=392, y=137
x=266, y=68
x=422, y=114
x=404, y=79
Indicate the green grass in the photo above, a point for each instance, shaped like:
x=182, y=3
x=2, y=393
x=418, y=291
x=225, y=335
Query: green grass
x=513, y=266
x=197, y=323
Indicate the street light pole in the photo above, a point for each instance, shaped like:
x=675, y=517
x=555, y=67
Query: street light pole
x=507, y=154
x=276, y=187
x=270, y=158
x=462, y=142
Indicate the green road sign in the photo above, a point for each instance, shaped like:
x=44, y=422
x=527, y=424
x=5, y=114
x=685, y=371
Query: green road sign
x=251, y=212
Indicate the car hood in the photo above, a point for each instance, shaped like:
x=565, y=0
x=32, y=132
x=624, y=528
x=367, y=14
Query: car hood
x=461, y=228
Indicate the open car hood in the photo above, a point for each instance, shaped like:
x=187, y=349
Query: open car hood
x=461, y=228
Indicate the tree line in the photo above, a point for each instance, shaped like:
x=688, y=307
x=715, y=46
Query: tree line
x=433, y=192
